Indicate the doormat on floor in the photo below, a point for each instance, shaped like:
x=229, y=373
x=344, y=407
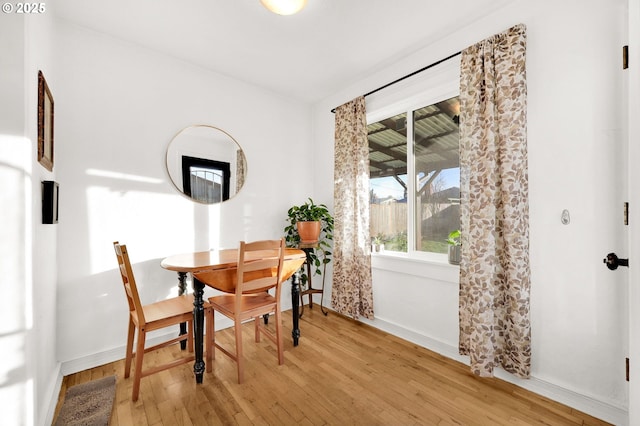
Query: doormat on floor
x=88, y=403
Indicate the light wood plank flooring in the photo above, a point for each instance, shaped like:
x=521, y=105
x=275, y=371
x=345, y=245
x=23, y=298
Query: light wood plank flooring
x=342, y=373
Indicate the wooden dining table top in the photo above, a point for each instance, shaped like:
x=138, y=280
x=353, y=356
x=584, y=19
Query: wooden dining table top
x=217, y=268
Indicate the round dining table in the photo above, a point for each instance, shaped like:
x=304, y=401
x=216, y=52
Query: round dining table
x=217, y=269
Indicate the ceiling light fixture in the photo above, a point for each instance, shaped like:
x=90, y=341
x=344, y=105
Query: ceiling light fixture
x=284, y=7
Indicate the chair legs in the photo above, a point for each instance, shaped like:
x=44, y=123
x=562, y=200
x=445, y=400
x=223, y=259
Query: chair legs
x=279, y=343
x=275, y=338
x=239, y=357
x=190, y=335
x=256, y=328
x=138, y=374
x=129, y=350
x=210, y=340
x=260, y=328
x=142, y=334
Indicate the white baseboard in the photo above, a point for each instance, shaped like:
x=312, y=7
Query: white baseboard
x=116, y=354
x=53, y=392
x=600, y=409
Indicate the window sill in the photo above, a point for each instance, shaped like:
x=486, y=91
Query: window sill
x=437, y=268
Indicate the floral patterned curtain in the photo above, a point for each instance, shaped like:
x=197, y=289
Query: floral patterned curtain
x=494, y=271
x=352, y=293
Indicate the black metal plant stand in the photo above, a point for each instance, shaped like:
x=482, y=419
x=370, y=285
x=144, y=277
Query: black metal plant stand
x=310, y=291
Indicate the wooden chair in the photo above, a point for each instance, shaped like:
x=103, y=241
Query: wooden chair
x=154, y=316
x=251, y=299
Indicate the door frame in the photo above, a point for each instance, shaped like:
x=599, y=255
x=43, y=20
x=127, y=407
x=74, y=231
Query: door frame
x=633, y=141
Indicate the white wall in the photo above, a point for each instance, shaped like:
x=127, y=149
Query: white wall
x=41, y=350
x=117, y=108
x=576, y=161
x=29, y=370
x=15, y=179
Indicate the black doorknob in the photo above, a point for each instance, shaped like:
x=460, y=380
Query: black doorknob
x=612, y=261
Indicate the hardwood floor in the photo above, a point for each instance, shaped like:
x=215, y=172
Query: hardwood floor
x=343, y=372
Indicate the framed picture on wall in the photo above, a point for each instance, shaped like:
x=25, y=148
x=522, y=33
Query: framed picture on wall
x=45, y=123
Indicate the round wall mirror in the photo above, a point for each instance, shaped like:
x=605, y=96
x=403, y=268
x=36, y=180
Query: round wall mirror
x=206, y=164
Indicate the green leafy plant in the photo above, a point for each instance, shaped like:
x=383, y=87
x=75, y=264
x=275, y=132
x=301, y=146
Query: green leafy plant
x=317, y=256
x=377, y=242
x=398, y=242
x=454, y=238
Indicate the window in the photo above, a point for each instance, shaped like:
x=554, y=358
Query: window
x=205, y=180
x=415, y=215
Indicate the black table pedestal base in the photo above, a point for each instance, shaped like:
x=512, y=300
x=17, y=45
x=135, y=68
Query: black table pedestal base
x=295, y=308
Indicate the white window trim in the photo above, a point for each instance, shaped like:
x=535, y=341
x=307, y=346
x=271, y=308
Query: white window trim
x=401, y=263
x=430, y=86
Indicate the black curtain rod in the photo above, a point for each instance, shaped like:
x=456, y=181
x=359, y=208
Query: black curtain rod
x=409, y=75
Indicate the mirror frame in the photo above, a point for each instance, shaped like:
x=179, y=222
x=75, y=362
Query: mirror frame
x=211, y=159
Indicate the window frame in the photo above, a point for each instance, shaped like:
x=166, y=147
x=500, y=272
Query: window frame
x=221, y=166
x=431, y=86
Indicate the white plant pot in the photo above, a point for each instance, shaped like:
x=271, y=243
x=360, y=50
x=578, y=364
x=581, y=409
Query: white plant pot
x=454, y=255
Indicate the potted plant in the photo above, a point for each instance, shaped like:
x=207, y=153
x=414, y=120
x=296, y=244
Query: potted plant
x=378, y=243
x=454, y=247
x=317, y=248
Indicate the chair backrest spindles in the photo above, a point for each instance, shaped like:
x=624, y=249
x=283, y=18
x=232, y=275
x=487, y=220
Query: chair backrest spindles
x=129, y=282
x=263, y=274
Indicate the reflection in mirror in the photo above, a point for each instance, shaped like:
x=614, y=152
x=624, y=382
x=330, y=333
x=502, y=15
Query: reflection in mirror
x=206, y=164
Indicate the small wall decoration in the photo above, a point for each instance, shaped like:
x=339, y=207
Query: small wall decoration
x=45, y=123
x=50, y=197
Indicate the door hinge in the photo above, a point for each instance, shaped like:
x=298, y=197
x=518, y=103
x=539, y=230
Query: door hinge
x=627, y=368
x=625, y=57
x=626, y=213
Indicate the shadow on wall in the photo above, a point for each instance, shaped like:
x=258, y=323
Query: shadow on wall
x=93, y=310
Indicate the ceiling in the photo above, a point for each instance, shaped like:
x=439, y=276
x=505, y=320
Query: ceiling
x=307, y=56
